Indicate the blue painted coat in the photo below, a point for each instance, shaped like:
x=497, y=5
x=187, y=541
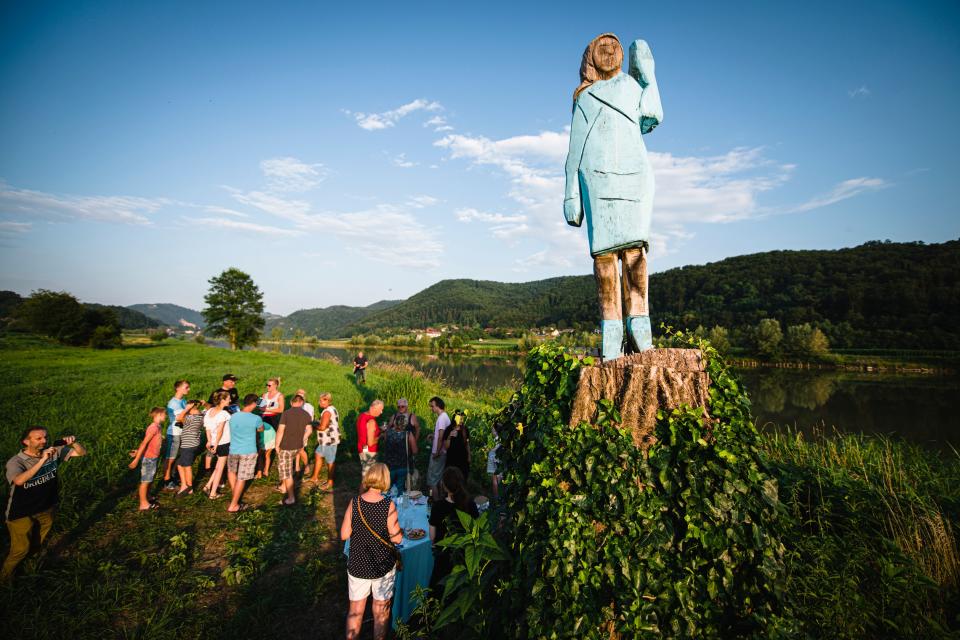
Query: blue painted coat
x=609, y=177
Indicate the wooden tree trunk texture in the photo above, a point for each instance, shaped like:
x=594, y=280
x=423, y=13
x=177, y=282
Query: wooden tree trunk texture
x=639, y=384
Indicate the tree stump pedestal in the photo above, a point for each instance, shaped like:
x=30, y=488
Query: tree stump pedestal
x=641, y=383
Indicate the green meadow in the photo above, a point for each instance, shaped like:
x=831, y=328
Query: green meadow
x=188, y=569
x=871, y=549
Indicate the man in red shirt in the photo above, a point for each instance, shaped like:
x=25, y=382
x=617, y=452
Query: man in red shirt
x=368, y=433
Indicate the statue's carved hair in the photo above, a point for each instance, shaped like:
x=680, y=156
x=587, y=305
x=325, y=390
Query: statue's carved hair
x=588, y=70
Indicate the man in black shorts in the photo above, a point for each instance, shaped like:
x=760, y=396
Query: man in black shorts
x=360, y=368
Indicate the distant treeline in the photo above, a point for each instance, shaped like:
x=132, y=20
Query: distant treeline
x=59, y=315
x=877, y=295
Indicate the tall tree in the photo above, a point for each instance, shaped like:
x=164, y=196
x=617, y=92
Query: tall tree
x=234, y=308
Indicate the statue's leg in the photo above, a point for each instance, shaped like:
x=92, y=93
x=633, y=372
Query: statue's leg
x=635, y=298
x=607, y=273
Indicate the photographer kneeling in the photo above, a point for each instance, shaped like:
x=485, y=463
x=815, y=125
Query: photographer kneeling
x=34, y=493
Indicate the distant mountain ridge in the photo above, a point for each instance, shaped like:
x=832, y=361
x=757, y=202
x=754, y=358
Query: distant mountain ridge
x=327, y=322
x=877, y=295
x=170, y=314
x=568, y=299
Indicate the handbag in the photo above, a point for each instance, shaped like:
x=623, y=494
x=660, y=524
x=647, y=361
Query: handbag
x=396, y=552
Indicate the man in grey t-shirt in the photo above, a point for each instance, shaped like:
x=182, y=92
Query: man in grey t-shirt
x=34, y=492
x=293, y=424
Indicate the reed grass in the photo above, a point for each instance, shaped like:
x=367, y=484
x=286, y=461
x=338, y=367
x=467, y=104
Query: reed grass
x=876, y=548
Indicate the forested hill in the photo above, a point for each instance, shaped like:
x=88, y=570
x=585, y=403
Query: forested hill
x=564, y=300
x=327, y=322
x=126, y=318
x=880, y=294
x=170, y=314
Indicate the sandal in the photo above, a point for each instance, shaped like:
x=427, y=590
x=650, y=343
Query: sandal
x=184, y=492
x=242, y=507
x=215, y=497
x=153, y=507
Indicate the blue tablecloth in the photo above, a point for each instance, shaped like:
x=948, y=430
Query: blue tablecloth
x=417, y=561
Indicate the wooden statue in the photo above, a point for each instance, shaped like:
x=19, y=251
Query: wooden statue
x=610, y=182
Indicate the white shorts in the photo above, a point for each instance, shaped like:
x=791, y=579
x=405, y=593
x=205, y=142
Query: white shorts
x=382, y=588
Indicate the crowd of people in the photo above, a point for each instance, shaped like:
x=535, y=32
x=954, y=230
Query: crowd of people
x=387, y=454
x=238, y=439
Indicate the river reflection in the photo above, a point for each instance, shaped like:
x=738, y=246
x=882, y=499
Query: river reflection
x=918, y=408
x=458, y=371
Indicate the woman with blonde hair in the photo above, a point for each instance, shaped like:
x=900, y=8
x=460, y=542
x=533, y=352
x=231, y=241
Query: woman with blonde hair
x=371, y=526
x=272, y=404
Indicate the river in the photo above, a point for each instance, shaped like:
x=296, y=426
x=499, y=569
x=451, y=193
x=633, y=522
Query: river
x=918, y=407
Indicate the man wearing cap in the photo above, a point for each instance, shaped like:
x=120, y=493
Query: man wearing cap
x=230, y=386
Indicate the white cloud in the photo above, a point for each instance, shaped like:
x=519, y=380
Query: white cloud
x=115, y=209
x=439, y=124
x=277, y=205
x=292, y=174
x=401, y=161
x=387, y=119
x=860, y=92
x=690, y=189
x=419, y=202
x=843, y=191
x=225, y=211
x=533, y=164
x=239, y=225
x=720, y=188
x=503, y=227
x=9, y=227
x=385, y=234
x=366, y=232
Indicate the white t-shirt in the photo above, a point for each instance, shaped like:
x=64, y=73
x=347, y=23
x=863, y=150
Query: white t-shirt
x=308, y=408
x=212, y=423
x=443, y=421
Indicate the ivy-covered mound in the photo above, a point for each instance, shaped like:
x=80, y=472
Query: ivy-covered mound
x=683, y=540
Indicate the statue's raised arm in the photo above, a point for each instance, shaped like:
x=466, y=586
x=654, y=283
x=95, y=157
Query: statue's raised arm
x=609, y=182
x=642, y=70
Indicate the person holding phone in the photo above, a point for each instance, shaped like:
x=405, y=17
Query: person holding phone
x=34, y=492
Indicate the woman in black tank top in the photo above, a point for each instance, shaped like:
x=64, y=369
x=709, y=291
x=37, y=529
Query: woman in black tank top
x=370, y=524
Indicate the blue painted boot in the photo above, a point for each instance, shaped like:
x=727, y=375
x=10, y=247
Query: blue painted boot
x=640, y=333
x=612, y=339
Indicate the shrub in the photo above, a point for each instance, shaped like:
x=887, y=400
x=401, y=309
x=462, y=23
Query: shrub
x=106, y=337
x=606, y=540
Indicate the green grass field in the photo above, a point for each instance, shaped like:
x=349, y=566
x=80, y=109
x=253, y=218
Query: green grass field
x=188, y=570
x=873, y=552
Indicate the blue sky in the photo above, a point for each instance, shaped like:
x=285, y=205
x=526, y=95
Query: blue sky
x=343, y=154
